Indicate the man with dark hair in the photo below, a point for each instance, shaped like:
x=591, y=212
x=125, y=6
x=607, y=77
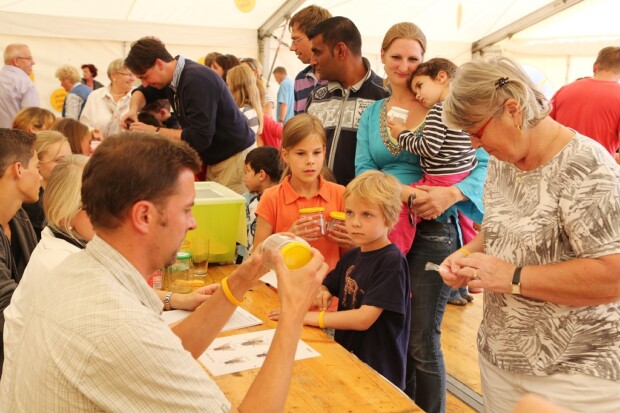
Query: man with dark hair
x=209, y=117
x=591, y=106
x=19, y=182
x=95, y=339
x=351, y=87
x=307, y=79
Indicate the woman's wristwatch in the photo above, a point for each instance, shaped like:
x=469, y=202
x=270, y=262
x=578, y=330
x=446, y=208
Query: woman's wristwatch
x=515, y=286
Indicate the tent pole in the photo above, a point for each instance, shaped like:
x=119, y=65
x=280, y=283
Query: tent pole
x=265, y=31
x=522, y=24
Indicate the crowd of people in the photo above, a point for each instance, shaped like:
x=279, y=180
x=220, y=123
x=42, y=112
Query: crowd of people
x=471, y=168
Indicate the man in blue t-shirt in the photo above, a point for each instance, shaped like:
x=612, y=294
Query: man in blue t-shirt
x=286, y=95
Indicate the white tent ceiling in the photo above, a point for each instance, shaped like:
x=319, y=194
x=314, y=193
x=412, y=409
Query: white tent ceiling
x=80, y=31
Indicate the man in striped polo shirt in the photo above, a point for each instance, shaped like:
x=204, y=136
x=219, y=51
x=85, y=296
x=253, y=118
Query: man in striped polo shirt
x=307, y=79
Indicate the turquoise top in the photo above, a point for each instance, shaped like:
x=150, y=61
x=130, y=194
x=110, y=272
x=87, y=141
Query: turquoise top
x=372, y=154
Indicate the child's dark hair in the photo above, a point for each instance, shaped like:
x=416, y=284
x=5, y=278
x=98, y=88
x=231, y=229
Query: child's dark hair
x=149, y=119
x=431, y=68
x=266, y=158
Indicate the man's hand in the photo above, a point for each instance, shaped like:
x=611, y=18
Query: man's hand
x=128, y=119
x=297, y=289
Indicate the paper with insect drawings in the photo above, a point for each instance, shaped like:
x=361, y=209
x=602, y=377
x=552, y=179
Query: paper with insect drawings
x=270, y=278
x=244, y=352
x=239, y=319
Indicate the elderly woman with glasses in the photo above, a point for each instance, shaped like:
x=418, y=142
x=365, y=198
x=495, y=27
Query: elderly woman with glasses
x=548, y=255
x=105, y=106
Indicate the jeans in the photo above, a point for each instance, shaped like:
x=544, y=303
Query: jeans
x=426, y=372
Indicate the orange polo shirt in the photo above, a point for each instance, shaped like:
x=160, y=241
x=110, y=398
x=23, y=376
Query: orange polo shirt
x=280, y=205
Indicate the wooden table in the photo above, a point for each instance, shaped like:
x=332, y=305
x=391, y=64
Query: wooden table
x=335, y=382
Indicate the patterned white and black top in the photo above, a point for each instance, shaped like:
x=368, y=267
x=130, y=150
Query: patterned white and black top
x=567, y=208
x=442, y=151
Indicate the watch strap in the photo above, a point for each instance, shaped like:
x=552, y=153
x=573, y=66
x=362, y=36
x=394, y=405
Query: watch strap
x=167, y=306
x=516, y=281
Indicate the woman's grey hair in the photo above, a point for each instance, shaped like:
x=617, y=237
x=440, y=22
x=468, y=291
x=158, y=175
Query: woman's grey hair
x=116, y=65
x=481, y=87
x=62, y=199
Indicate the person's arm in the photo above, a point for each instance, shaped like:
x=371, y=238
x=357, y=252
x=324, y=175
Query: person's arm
x=263, y=230
x=189, y=301
x=137, y=102
x=584, y=281
x=283, y=108
x=168, y=133
x=440, y=198
x=30, y=98
x=7, y=283
x=429, y=142
x=358, y=320
x=73, y=103
x=296, y=290
x=363, y=156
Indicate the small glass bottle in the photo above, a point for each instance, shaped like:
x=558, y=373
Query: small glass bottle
x=316, y=213
x=337, y=217
x=181, y=274
x=295, y=251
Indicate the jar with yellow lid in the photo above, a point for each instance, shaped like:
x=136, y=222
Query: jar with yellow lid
x=316, y=213
x=337, y=217
x=295, y=251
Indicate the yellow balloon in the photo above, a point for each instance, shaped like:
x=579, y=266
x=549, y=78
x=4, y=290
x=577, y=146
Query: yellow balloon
x=57, y=99
x=245, y=6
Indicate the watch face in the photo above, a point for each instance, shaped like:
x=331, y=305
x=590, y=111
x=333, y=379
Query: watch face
x=516, y=288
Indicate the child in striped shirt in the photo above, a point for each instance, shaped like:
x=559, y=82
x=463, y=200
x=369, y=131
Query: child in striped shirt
x=446, y=155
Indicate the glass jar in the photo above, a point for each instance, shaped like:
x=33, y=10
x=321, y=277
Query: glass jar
x=295, y=251
x=181, y=274
x=337, y=217
x=316, y=213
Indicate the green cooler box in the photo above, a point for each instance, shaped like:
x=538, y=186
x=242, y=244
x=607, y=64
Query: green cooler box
x=220, y=217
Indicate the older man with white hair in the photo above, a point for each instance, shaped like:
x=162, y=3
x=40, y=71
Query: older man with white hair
x=16, y=89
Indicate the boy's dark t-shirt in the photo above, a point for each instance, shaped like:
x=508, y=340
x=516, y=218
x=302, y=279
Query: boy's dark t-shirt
x=378, y=278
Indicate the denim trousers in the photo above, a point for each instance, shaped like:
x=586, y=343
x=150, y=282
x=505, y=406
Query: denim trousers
x=426, y=372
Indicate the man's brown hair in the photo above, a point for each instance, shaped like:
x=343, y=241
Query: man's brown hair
x=15, y=146
x=143, y=54
x=308, y=17
x=608, y=59
x=132, y=167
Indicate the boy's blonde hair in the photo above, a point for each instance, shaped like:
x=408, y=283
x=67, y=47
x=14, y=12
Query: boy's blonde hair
x=380, y=189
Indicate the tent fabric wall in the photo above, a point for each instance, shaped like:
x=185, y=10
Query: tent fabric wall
x=66, y=31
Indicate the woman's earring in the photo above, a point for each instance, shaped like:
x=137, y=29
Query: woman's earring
x=519, y=129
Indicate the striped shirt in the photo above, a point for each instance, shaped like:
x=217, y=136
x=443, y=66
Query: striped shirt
x=94, y=340
x=251, y=116
x=442, y=151
x=305, y=81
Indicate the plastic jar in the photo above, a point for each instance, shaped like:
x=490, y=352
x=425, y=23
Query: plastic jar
x=316, y=214
x=181, y=274
x=295, y=251
x=337, y=217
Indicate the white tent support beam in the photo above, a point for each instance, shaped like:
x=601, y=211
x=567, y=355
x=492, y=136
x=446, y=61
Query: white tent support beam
x=265, y=32
x=522, y=24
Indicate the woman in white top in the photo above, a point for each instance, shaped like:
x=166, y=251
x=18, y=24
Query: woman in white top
x=68, y=230
x=105, y=106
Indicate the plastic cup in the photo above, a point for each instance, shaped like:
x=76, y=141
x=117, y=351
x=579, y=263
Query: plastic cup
x=398, y=113
x=295, y=251
x=200, y=252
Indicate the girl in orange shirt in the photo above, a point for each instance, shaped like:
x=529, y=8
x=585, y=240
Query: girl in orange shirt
x=303, y=186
